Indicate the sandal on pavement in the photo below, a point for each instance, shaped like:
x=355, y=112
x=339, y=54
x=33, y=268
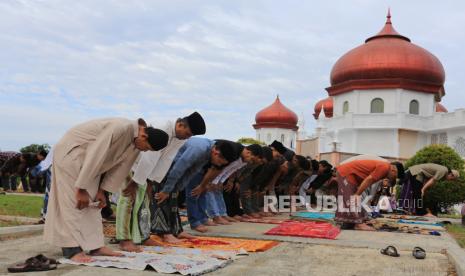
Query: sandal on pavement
x=419, y=253
x=390, y=251
x=32, y=264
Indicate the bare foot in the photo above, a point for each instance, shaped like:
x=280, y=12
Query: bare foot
x=82, y=258
x=363, y=227
x=255, y=215
x=237, y=217
x=184, y=235
x=245, y=216
x=210, y=223
x=105, y=251
x=230, y=219
x=151, y=242
x=200, y=228
x=171, y=239
x=220, y=220
x=129, y=246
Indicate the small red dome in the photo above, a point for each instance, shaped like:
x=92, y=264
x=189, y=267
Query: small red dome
x=276, y=116
x=328, y=108
x=441, y=108
x=388, y=60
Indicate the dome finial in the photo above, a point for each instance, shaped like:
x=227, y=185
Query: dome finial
x=388, y=21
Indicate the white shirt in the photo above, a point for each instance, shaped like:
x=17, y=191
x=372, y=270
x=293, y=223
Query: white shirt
x=47, y=162
x=154, y=165
x=229, y=170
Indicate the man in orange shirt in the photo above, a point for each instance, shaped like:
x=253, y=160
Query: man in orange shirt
x=355, y=177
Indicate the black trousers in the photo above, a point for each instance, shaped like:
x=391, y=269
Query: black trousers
x=232, y=202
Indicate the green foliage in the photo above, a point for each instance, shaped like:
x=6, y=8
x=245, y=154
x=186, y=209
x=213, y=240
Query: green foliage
x=443, y=193
x=34, y=148
x=249, y=141
x=438, y=154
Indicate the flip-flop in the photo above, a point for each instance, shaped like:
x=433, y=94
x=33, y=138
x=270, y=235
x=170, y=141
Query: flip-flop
x=32, y=264
x=419, y=253
x=44, y=259
x=390, y=251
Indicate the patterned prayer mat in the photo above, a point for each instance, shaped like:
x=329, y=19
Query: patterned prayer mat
x=318, y=216
x=214, y=243
x=310, y=229
x=109, y=230
x=264, y=220
x=405, y=228
x=185, y=261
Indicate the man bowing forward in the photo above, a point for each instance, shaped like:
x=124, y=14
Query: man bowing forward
x=90, y=158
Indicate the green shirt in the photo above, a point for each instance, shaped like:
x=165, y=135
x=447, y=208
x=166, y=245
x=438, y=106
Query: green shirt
x=428, y=171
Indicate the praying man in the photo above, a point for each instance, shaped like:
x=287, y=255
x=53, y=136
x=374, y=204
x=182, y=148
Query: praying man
x=91, y=158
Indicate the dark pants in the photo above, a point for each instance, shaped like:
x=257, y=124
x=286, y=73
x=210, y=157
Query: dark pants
x=107, y=211
x=410, y=199
x=232, y=201
x=69, y=252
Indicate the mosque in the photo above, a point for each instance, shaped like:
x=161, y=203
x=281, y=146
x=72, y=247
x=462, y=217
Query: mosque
x=383, y=99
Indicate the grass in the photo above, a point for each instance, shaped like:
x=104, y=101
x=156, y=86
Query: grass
x=5, y=223
x=458, y=232
x=451, y=216
x=19, y=205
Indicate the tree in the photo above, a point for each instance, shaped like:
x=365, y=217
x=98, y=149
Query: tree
x=34, y=148
x=444, y=193
x=249, y=141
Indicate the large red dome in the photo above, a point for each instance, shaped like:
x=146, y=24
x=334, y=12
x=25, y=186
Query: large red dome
x=388, y=60
x=276, y=116
x=327, y=105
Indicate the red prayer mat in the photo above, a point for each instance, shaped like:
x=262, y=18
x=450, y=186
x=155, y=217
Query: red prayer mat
x=311, y=229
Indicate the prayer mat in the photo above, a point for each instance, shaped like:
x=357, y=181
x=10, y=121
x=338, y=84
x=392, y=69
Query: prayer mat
x=214, y=243
x=310, y=229
x=190, y=264
x=109, y=230
x=318, y=216
x=420, y=222
x=406, y=217
x=218, y=254
x=402, y=228
x=264, y=220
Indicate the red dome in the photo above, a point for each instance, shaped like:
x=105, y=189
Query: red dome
x=276, y=116
x=388, y=60
x=441, y=108
x=328, y=108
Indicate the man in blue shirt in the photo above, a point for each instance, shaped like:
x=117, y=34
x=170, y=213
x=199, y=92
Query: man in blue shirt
x=194, y=157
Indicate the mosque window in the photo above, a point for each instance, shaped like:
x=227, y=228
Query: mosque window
x=377, y=106
x=282, y=138
x=345, y=107
x=434, y=139
x=443, y=138
x=414, y=107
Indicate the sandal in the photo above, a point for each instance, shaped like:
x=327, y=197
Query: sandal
x=435, y=233
x=419, y=253
x=44, y=259
x=32, y=264
x=390, y=251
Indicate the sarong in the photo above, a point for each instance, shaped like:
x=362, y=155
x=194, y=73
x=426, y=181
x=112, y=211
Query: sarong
x=165, y=218
x=410, y=197
x=345, y=191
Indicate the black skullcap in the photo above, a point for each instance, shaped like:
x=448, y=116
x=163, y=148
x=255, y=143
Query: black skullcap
x=267, y=153
x=326, y=164
x=255, y=149
x=289, y=154
x=196, y=123
x=226, y=149
x=278, y=147
x=400, y=170
x=303, y=162
x=43, y=153
x=157, y=138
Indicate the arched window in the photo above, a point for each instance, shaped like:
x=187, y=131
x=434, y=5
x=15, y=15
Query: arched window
x=345, y=107
x=414, y=107
x=282, y=138
x=377, y=106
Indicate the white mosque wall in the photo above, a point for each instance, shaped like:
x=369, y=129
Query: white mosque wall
x=285, y=136
x=395, y=101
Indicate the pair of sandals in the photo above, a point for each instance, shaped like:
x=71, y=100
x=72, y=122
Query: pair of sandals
x=37, y=263
x=418, y=252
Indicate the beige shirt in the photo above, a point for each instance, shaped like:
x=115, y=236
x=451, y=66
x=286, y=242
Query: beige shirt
x=423, y=172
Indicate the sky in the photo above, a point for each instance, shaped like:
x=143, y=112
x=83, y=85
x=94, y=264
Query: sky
x=65, y=62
